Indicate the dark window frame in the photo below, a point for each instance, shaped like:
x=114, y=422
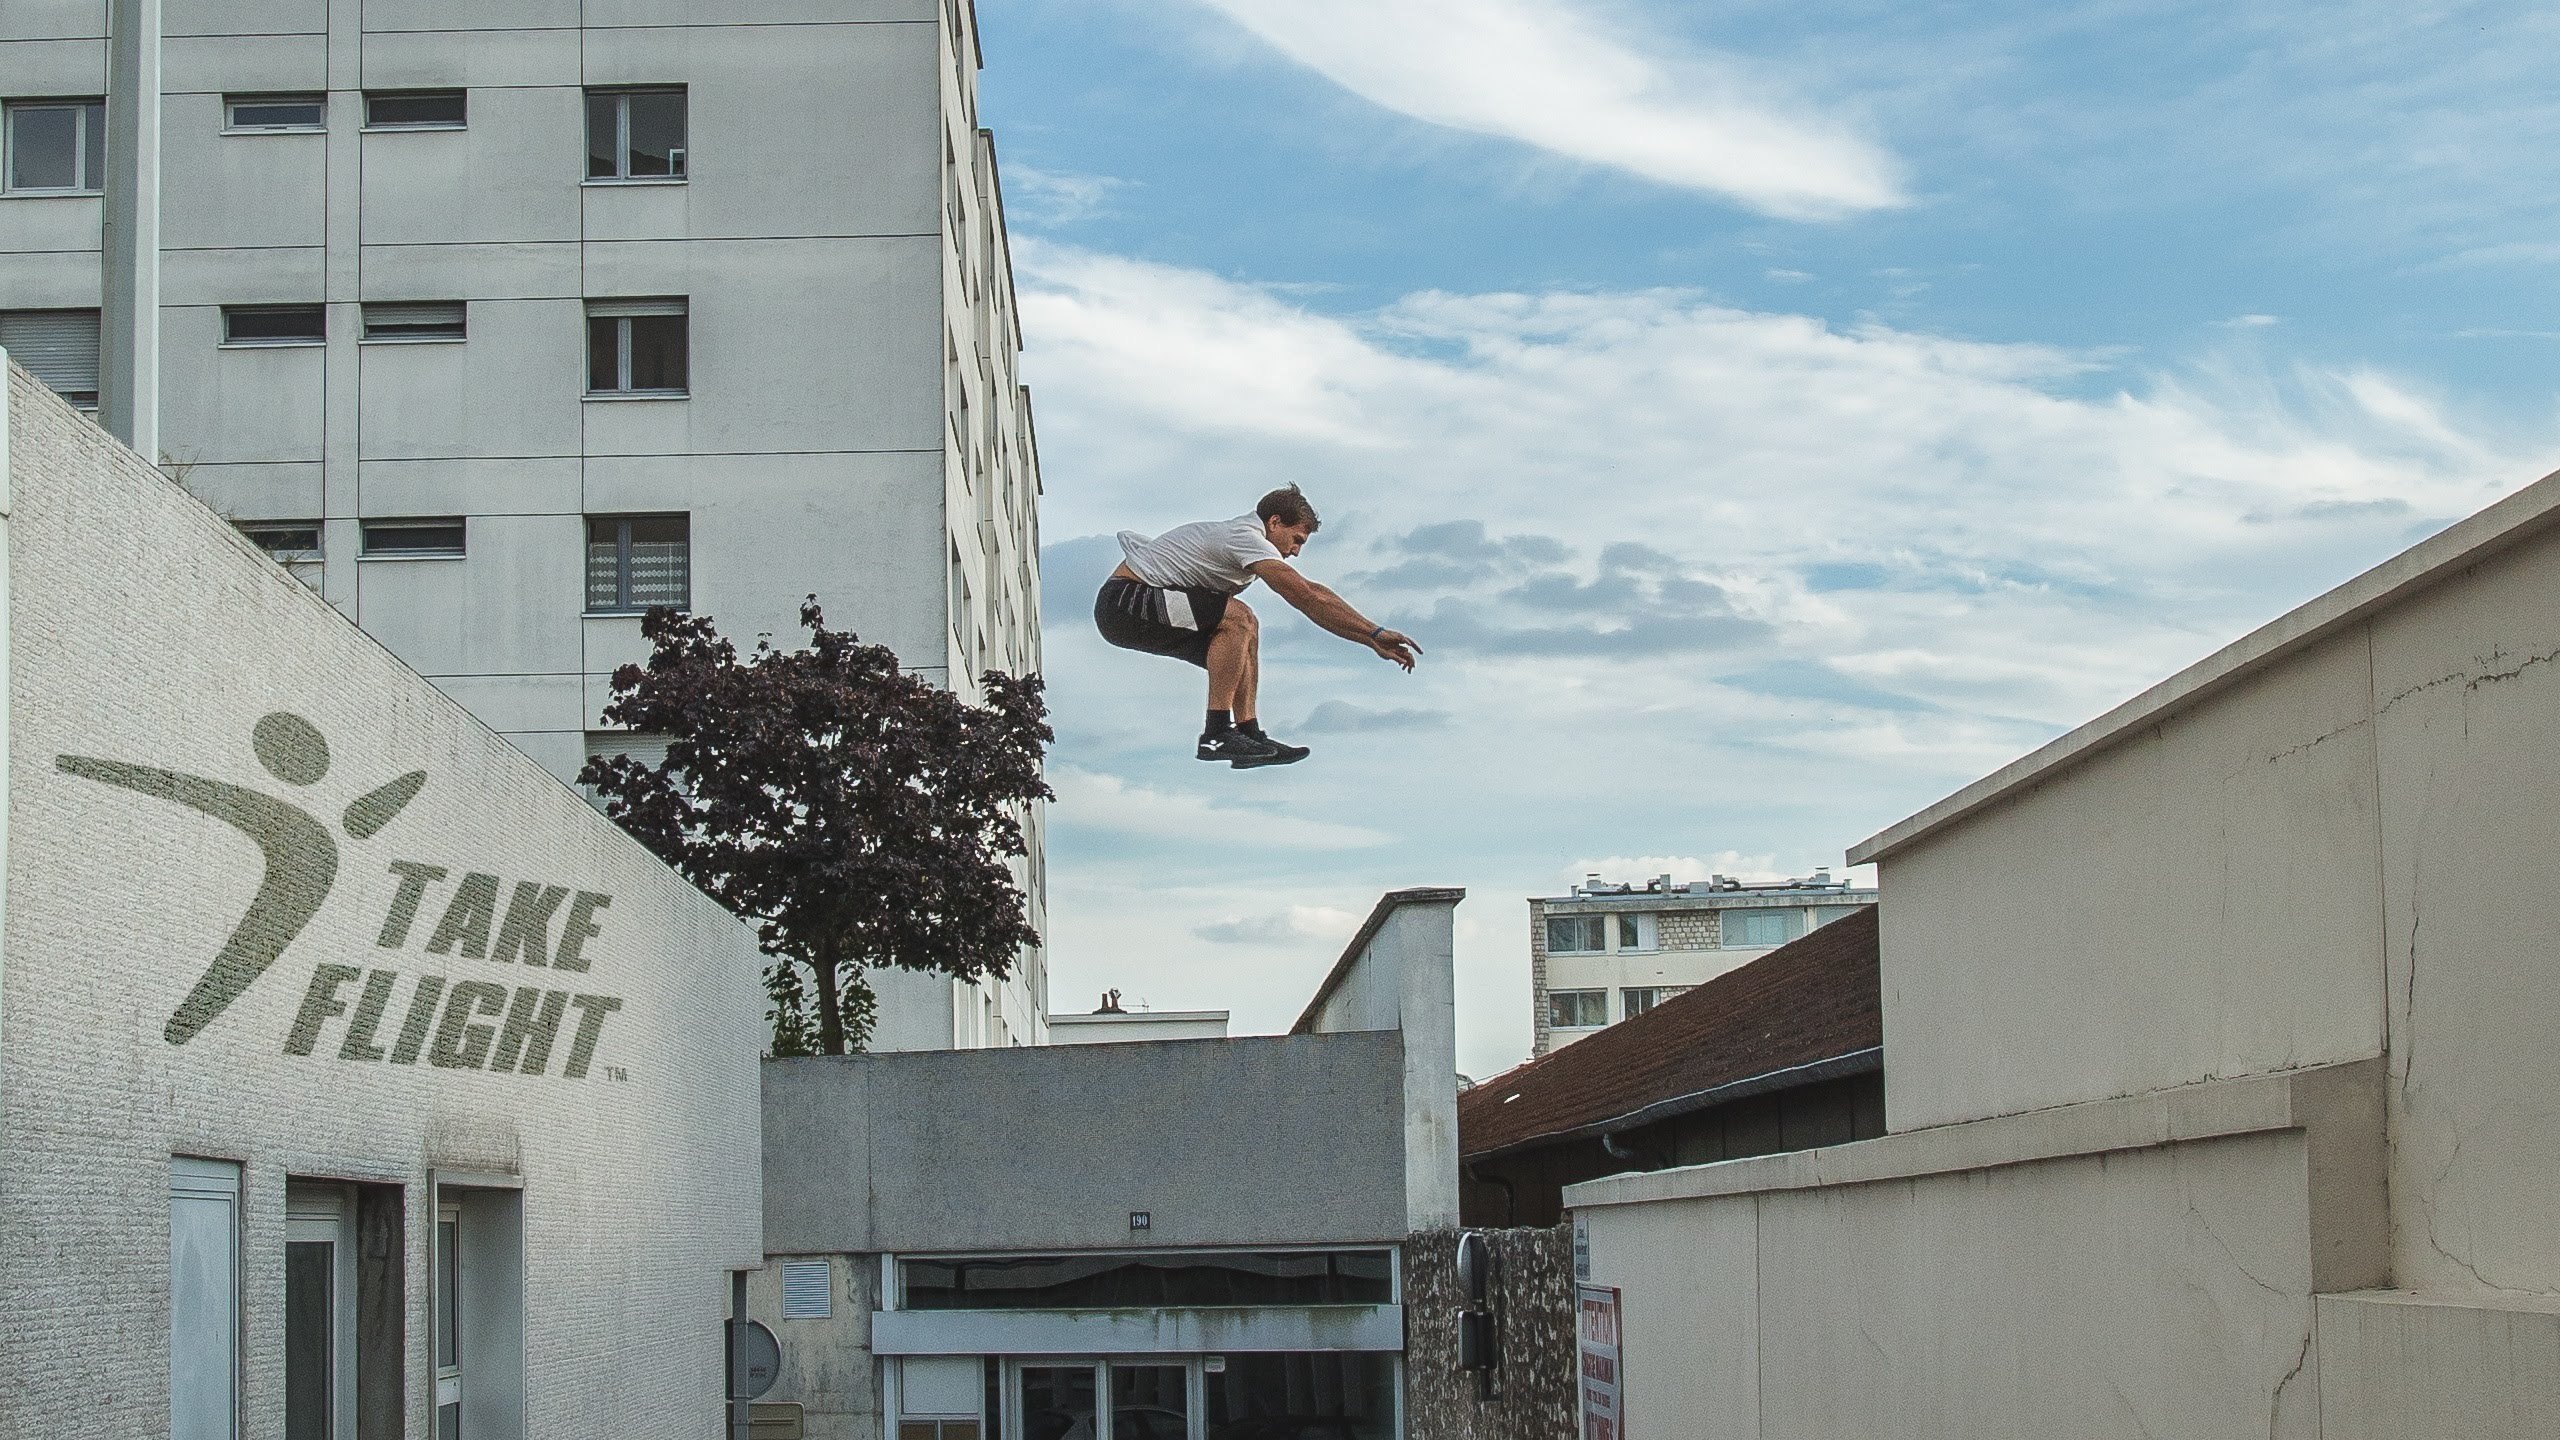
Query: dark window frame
x=375, y=99
x=88, y=144
x=265, y=533
x=231, y=314
x=233, y=104
x=621, y=96
x=373, y=533
x=1594, y=926
x=415, y=329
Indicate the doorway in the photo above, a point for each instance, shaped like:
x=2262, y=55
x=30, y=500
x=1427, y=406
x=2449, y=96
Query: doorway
x=1054, y=1400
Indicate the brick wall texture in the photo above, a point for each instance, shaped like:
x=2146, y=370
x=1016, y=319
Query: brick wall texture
x=1687, y=929
x=146, y=633
x=1534, y=1395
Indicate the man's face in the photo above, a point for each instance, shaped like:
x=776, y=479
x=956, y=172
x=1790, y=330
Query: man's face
x=1286, y=538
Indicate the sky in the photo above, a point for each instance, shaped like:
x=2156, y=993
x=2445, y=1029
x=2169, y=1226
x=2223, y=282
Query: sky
x=1769, y=418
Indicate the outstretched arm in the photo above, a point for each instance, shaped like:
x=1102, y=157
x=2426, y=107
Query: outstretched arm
x=1332, y=612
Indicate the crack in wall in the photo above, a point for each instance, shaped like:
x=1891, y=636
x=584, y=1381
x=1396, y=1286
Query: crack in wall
x=2302, y=1357
x=2225, y=1247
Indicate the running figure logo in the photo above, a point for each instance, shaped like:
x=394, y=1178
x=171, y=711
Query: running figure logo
x=301, y=855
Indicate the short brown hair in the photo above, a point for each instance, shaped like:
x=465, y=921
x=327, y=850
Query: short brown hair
x=1288, y=507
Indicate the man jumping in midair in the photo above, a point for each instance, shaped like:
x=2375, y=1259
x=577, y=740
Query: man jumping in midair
x=1176, y=595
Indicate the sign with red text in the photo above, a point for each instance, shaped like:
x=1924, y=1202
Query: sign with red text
x=1603, y=1401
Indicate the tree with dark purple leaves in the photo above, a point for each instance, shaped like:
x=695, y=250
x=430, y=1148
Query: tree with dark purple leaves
x=859, y=816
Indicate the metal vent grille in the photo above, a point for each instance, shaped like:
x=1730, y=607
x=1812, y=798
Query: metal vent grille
x=808, y=1292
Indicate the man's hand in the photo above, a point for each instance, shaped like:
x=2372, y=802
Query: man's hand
x=1395, y=645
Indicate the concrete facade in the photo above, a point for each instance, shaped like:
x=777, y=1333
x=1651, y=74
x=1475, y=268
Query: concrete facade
x=447, y=984
x=1656, y=939
x=2267, y=1160
x=1247, y=1161
x=850, y=422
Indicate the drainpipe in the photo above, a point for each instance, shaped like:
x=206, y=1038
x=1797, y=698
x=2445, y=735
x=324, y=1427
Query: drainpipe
x=129, y=324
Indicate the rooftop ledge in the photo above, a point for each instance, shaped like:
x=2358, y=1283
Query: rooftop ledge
x=2467, y=542
x=2331, y=1100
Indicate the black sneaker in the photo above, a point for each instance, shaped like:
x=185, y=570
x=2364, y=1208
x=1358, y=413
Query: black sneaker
x=1236, y=748
x=1281, y=754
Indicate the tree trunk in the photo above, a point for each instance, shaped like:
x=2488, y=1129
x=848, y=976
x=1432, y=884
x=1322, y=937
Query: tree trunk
x=830, y=1004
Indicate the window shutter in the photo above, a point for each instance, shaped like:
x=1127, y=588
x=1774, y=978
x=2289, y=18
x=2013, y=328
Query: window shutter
x=807, y=1291
x=58, y=347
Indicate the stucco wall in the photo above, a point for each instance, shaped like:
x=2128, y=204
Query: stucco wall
x=2139, y=1294
x=1260, y=1140
x=2196, y=902
x=145, y=632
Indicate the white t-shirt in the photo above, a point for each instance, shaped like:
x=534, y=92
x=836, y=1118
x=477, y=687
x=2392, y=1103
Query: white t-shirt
x=1206, y=555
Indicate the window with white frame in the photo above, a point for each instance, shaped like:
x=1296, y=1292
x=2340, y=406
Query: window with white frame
x=636, y=562
x=1635, y=932
x=275, y=325
x=299, y=112
x=56, y=147
x=450, y=1321
x=415, y=320
x=636, y=133
x=204, y=1299
x=637, y=347
x=58, y=347
x=1637, y=999
x=1748, y=929
x=1825, y=914
x=1577, y=934
x=1577, y=1009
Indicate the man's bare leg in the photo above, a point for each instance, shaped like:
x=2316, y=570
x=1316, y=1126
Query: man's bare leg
x=1231, y=652
x=1249, y=686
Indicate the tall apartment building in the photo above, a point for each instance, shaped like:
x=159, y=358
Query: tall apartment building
x=1610, y=950
x=501, y=321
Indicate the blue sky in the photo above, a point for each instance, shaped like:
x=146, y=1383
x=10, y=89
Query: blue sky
x=1770, y=421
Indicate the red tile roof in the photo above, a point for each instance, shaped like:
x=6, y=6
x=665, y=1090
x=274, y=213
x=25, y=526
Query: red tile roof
x=1814, y=1001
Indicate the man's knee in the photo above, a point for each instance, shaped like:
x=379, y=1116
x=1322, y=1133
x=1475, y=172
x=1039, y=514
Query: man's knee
x=1240, y=618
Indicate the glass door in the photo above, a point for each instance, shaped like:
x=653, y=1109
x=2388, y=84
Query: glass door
x=1057, y=1402
x=1150, y=1402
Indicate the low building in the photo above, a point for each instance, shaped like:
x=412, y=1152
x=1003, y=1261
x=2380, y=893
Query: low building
x=1612, y=950
x=1113, y=1025
x=1785, y=1053
x=2219, y=1075
x=1178, y=1239
x=357, y=1079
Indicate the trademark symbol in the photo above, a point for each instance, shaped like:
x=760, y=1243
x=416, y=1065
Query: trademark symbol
x=616, y=1072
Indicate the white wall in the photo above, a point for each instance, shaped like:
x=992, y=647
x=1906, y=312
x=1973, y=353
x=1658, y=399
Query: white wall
x=147, y=633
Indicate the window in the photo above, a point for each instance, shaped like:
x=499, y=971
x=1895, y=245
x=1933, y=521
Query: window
x=1825, y=914
x=1637, y=999
x=638, y=561
x=275, y=324
x=635, y=134
x=415, y=320
x=1747, y=928
x=294, y=544
x=1150, y=1281
x=412, y=538
x=57, y=147
x=1576, y=934
x=1333, y=1395
x=1577, y=1009
x=1635, y=932
x=204, y=1299
x=414, y=110
x=58, y=347
x=319, y=1314
x=636, y=347
x=274, y=114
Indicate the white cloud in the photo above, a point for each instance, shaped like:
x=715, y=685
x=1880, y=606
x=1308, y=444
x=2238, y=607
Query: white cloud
x=1321, y=923
x=1057, y=198
x=1095, y=801
x=1552, y=74
x=2250, y=322
x=1902, y=559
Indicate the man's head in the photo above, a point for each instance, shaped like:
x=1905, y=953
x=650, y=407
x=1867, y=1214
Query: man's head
x=1287, y=520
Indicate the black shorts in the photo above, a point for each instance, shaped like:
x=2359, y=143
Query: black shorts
x=1137, y=616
